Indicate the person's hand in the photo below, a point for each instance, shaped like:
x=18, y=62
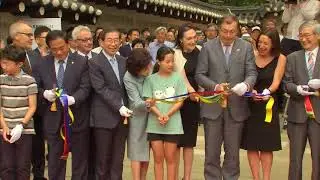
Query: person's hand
x=240, y=89
x=50, y=95
x=161, y=120
x=303, y=90
x=266, y=94
x=314, y=84
x=255, y=97
x=150, y=102
x=6, y=134
x=194, y=97
x=16, y=133
x=125, y=112
x=71, y=100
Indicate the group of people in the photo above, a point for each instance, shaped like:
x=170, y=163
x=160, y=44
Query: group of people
x=130, y=94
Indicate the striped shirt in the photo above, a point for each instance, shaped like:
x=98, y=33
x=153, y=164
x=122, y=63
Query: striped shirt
x=14, y=99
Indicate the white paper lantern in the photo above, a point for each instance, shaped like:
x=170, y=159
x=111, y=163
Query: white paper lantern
x=22, y=7
x=55, y=3
x=41, y=10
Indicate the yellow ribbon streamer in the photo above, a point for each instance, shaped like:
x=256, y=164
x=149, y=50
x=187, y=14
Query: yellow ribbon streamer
x=269, y=110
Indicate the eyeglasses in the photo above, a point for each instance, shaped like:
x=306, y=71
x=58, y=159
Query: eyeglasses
x=86, y=40
x=301, y=36
x=115, y=41
x=27, y=34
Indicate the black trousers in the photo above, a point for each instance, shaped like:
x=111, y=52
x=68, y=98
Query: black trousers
x=110, y=148
x=38, y=149
x=16, y=158
x=79, y=150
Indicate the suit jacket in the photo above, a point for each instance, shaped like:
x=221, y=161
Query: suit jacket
x=297, y=74
x=289, y=46
x=76, y=83
x=109, y=95
x=125, y=50
x=212, y=69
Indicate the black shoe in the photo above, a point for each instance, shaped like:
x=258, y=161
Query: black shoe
x=40, y=178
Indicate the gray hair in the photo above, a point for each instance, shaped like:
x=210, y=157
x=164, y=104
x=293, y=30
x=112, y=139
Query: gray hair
x=161, y=28
x=76, y=31
x=15, y=28
x=310, y=24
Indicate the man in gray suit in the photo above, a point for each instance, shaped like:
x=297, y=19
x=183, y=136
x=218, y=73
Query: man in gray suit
x=108, y=107
x=226, y=59
x=302, y=76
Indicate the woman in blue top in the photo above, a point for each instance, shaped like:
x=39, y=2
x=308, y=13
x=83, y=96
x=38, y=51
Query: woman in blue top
x=164, y=125
x=139, y=66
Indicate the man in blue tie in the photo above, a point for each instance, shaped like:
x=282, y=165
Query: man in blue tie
x=67, y=71
x=108, y=108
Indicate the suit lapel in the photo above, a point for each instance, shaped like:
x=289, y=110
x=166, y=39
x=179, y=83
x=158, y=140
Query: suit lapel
x=107, y=65
x=234, y=52
x=68, y=70
x=302, y=62
x=52, y=72
x=316, y=71
x=221, y=53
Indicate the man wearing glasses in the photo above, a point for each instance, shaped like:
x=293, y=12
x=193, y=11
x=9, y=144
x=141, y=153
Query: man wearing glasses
x=83, y=37
x=22, y=36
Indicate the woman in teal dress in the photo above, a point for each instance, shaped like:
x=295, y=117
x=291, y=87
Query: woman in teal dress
x=139, y=67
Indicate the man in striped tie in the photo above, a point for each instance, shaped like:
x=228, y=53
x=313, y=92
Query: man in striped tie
x=303, y=76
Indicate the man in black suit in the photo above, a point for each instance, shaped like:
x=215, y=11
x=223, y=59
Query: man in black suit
x=67, y=71
x=22, y=36
x=125, y=50
x=108, y=107
x=83, y=38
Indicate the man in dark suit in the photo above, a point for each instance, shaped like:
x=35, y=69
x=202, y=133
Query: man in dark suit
x=226, y=59
x=302, y=76
x=108, y=107
x=125, y=50
x=83, y=38
x=22, y=36
x=67, y=71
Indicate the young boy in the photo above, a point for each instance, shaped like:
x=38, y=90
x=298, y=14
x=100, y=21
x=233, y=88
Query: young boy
x=18, y=104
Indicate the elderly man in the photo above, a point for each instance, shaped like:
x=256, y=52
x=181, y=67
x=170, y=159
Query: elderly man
x=108, y=107
x=160, y=41
x=83, y=37
x=22, y=36
x=302, y=78
x=210, y=32
x=225, y=61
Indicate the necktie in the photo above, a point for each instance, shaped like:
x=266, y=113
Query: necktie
x=87, y=58
x=115, y=68
x=310, y=65
x=60, y=74
x=227, y=54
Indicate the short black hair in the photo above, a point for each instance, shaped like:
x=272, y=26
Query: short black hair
x=139, y=59
x=39, y=30
x=103, y=33
x=275, y=41
x=132, y=30
x=138, y=41
x=13, y=53
x=54, y=35
x=144, y=30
